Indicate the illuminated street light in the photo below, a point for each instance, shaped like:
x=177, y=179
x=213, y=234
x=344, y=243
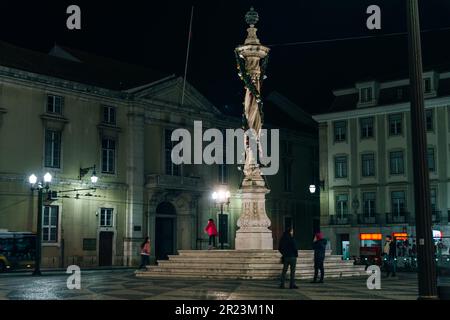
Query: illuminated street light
x=84, y=171
x=94, y=177
x=47, y=178
x=221, y=197
x=32, y=179
x=40, y=186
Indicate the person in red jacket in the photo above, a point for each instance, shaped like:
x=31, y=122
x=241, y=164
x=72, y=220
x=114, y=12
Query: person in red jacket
x=211, y=230
x=145, y=253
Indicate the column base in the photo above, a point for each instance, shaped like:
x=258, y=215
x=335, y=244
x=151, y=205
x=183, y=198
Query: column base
x=131, y=252
x=254, y=238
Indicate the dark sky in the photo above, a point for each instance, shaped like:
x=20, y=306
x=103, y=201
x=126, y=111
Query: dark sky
x=154, y=34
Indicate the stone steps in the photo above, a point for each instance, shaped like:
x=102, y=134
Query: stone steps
x=241, y=276
x=336, y=259
x=241, y=253
x=248, y=264
x=211, y=270
x=240, y=265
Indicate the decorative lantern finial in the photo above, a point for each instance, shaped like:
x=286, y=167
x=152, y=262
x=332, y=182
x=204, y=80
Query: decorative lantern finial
x=252, y=17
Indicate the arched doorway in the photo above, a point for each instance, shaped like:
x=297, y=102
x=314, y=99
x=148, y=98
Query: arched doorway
x=165, y=230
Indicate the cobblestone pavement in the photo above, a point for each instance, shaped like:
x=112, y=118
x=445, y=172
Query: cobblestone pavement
x=111, y=285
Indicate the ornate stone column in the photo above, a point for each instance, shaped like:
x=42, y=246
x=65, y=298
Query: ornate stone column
x=253, y=233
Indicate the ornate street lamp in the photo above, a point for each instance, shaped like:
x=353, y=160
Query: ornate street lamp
x=221, y=197
x=85, y=171
x=40, y=186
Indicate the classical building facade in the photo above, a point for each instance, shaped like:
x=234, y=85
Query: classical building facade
x=366, y=163
x=67, y=110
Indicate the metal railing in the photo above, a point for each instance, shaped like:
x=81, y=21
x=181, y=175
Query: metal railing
x=398, y=218
x=436, y=216
x=174, y=182
x=368, y=219
x=340, y=219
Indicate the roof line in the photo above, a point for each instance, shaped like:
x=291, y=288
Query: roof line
x=148, y=85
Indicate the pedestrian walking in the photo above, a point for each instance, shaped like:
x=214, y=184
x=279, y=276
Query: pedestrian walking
x=319, y=246
x=145, y=253
x=211, y=230
x=289, y=251
x=390, y=256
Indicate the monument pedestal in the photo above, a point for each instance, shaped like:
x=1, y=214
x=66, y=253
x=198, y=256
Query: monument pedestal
x=254, y=239
x=254, y=233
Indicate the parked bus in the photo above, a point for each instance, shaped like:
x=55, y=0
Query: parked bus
x=17, y=250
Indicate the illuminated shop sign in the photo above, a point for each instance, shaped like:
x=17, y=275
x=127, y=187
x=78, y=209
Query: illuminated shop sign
x=370, y=236
x=400, y=235
x=437, y=234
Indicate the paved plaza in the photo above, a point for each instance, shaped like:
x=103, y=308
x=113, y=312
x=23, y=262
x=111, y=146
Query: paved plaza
x=122, y=284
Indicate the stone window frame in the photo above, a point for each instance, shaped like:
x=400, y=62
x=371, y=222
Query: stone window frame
x=389, y=162
x=402, y=124
x=346, y=163
x=374, y=164
x=55, y=97
x=361, y=136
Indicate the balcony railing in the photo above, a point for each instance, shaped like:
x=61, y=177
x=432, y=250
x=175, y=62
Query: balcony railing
x=436, y=216
x=174, y=182
x=398, y=218
x=368, y=219
x=340, y=219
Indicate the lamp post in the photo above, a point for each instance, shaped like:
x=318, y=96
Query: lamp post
x=40, y=186
x=425, y=248
x=221, y=197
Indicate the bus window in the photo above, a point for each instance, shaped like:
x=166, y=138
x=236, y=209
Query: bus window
x=17, y=250
x=25, y=248
x=6, y=247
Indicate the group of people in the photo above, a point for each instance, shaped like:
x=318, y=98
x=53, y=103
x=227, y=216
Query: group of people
x=289, y=252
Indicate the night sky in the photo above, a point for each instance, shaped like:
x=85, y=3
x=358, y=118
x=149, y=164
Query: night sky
x=154, y=34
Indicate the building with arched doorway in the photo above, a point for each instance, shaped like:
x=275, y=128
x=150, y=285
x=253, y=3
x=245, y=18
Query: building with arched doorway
x=121, y=123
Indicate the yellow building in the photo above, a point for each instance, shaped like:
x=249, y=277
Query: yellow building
x=67, y=110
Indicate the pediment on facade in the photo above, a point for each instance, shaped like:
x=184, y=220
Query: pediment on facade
x=168, y=92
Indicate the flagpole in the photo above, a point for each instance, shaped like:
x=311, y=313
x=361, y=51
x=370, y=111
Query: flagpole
x=187, y=56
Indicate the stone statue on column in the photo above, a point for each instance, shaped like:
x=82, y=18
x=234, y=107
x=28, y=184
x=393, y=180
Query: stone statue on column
x=253, y=223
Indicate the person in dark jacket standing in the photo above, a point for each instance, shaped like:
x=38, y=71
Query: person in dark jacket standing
x=289, y=251
x=319, y=246
x=390, y=256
